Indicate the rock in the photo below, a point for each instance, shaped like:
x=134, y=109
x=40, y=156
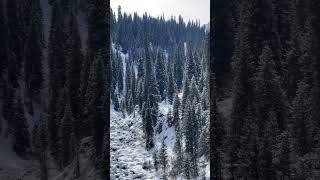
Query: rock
x=130, y=124
x=132, y=172
x=139, y=176
x=145, y=165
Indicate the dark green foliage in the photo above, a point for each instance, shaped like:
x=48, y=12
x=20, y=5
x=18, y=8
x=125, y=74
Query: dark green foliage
x=21, y=142
x=15, y=29
x=4, y=50
x=171, y=85
x=163, y=157
x=217, y=134
x=148, y=128
x=74, y=68
x=57, y=58
x=161, y=74
x=65, y=136
x=96, y=96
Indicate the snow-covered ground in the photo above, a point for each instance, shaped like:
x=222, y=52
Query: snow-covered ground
x=128, y=154
x=129, y=158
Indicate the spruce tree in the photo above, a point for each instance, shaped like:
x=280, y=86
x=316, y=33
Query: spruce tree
x=269, y=95
x=42, y=140
x=217, y=134
x=302, y=141
x=161, y=74
x=34, y=55
x=163, y=156
x=57, y=75
x=96, y=96
x=151, y=92
x=74, y=68
x=178, y=65
x=15, y=29
x=8, y=108
x=148, y=127
x=4, y=50
x=191, y=136
x=171, y=85
x=176, y=111
x=65, y=135
x=21, y=142
x=242, y=92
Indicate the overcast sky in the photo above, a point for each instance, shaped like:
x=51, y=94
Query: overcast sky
x=189, y=9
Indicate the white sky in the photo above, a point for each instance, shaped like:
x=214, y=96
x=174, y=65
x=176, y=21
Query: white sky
x=188, y=9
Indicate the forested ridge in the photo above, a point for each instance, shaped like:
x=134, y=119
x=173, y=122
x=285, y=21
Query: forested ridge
x=158, y=64
x=54, y=91
x=271, y=49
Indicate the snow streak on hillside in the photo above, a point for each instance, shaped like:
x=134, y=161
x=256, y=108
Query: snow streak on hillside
x=129, y=158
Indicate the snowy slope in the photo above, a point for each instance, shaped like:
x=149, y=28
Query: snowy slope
x=128, y=152
x=127, y=149
x=129, y=158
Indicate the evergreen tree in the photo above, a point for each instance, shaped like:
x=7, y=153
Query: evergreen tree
x=191, y=136
x=8, y=108
x=292, y=67
x=222, y=32
x=161, y=74
x=21, y=142
x=96, y=106
x=242, y=91
x=97, y=91
x=43, y=143
x=217, y=134
x=193, y=90
x=269, y=137
x=302, y=141
x=33, y=55
x=4, y=50
x=65, y=136
x=170, y=118
x=283, y=166
x=171, y=85
x=270, y=96
x=74, y=67
x=176, y=111
x=148, y=127
x=14, y=41
x=57, y=75
x=151, y=92
x=155, y=160
x=164, y=159
x=178, y=66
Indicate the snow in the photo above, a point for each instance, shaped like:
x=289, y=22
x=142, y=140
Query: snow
x=128, y=148
x=128, y=153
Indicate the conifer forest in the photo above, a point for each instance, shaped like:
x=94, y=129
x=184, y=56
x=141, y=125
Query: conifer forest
x=90, y=92
x=54, y=89
x=265, y=64
x=159, y=97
